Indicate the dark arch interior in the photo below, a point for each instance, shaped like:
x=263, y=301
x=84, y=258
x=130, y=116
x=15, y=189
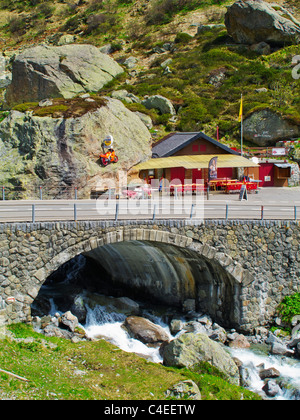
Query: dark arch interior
x=151, y=272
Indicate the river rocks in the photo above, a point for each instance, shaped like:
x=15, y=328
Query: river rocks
x=63, y=152
x=266, y=127
x=146, y=331
x=254, y=21
x=269, y=373
x=239, y=341
x=69, y=320
x=49, y=72
x=271, y=388
x=280, y=349
x=62, y=326
x=190, y=349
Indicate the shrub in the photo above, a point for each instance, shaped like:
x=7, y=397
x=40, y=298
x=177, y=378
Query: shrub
x=289, y=307
x=183, y=38
x=17, y=25
x=100, y=23
x=162, y=11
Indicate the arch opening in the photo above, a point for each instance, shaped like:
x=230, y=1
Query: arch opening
x=154, y=273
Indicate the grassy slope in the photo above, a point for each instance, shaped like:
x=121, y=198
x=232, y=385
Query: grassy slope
x=106, y=372
x=201, y=105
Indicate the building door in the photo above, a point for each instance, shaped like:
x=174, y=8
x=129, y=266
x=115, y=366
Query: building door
x=266, y=175
x=178, y=174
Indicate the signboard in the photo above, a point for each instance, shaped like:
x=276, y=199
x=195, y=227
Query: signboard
x=212, y=168
x=278, y=151
x=243, y=193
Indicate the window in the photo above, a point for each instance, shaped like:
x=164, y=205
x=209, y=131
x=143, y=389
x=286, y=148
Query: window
x=203, y=148
x=195, y=148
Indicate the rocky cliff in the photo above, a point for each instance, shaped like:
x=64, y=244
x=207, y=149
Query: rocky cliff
x=56, y=143
x=62, y=153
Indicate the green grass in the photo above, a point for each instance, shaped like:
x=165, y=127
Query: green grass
x=51, y=366
x=66, y=108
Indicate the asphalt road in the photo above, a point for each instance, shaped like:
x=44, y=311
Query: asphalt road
x=269, y=204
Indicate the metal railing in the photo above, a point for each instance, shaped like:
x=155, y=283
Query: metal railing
x=116, y=210
x=38, y=192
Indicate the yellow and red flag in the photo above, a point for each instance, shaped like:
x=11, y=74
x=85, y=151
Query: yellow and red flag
x=241, y=110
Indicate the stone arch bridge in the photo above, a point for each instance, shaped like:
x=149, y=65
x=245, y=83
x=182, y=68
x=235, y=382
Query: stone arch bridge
x=252, y=265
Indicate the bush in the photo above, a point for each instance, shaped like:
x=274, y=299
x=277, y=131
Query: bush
x=100, y=23
x=183, y=38
x=289, y=307
x=17, y=25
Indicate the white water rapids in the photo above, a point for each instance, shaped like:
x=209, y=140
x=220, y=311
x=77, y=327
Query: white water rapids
x=108, y=325
x=289, y=370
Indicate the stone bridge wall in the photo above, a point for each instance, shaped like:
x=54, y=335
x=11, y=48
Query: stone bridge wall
x=262, y=257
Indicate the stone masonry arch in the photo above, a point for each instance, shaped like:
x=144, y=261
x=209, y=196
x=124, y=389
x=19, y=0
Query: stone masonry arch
x=236, y=271
x=238, y=276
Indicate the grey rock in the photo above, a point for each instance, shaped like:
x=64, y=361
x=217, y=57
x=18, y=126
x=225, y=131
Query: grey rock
x=69, y=320
x=186, y=390
x=269, y=373
x=266, y=127
x=46, y=72
x=280, y=349
x=261, y=48
x=190, y=349
x=254, y=21
x=146, y=331
x=164, y=105
x=271, y=388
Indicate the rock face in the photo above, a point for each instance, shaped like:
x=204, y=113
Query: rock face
x=190, y=349
x=254, y=21
x=62, y=153
x=65, y=71
x=266, y=127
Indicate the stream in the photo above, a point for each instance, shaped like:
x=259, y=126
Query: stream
x=104, y=321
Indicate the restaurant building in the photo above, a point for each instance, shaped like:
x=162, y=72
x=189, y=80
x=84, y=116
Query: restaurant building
x=186, y=156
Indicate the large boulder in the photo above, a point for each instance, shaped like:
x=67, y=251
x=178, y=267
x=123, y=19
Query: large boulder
x=62, y=153
x=162, y=104
x=265, y=127
x=146, y=331
x=190, y=349
x=65, y=71
x=254, y=21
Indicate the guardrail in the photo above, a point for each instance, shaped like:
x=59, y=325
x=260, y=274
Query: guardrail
x=115, y=210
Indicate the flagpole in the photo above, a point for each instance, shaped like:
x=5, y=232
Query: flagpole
x=242, y=130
